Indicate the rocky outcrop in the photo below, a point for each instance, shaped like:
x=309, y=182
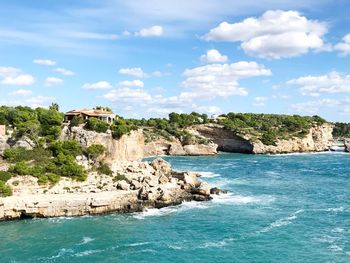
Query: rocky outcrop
x=318, y=139
x=135, y=186
x=163, y=147
x=7, y=142
x=127, y=148
x=347, y=144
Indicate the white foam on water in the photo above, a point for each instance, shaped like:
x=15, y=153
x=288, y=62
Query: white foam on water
x=306, y=153
x=335, y=248
x=236, y=199
x=87, y=252
x=282, y=222
x=155, y=212
x=175, y=247
x=335, y=209
x=216, y=244
x=137, y=244
x=86, y=240
x=62, y=252
x=209, y=174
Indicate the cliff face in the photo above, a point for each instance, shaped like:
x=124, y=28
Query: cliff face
x=318, y=139
x=164, y=147
x=226, y=140
x=127, y=148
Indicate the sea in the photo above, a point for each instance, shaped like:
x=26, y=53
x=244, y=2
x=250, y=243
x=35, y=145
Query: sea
x=279, y=208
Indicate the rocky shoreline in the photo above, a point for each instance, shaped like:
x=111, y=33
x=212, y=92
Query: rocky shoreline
x=142, y=185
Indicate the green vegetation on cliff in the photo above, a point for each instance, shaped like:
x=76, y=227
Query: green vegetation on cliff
x=341, y=130
x=269, y=127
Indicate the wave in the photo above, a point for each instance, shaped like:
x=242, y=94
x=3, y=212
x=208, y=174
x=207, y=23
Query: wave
x=335, y=209
x=241, y=199
x=282, y=222
x=305, y=153
x=209, y=174
x=155, y=212
x=216, y=244
x=86, y=240
x=87, y=252
x=137, y=244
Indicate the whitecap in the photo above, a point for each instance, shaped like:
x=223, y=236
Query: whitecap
x=87, y=252
x=335, y=248
x=209, y=174
x=175, y=247
x=137, y=244
x=155, y=212
x=216, y=244
x=62, y=252
x=335, y=209
x=86, y=240
x=282, y=222
x=241, y=199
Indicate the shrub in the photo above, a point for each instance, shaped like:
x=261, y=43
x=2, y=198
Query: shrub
x=76, y=121
x=5, y=190
x=95, y=150
x=69, y=147
x=119, y=130
x=20, y=168
x=96, y=125
x=43, y=179
x=53, y=178
x=104, y=169
x=5, y=176
x=268, y=138
x=120, y=177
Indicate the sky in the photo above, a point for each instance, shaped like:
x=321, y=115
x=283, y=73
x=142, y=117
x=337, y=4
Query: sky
x=150, y=58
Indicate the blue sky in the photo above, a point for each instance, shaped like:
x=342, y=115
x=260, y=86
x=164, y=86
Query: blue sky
x=149, y=58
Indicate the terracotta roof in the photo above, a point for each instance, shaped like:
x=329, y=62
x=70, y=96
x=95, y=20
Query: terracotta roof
x=89, y=112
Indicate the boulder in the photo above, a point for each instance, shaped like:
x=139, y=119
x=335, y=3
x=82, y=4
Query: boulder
x=203, y=189
x=201, y=149
x=123, y=185
x=217, y=191
x=176, y=149
x=135, y=184
x=161, y=167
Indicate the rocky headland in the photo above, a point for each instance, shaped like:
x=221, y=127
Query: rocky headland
x=135, y=187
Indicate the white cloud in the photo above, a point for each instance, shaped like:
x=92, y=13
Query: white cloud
x=52, y=81
x=313, y=107
x=134, y=72
x=21, y=92
x=125, y=95
x=46, y=62
x=260, y=101
x=97, y=85
x=332, y=82
x=33, y=102
x=276, y=34
x=221, y=79
x=15, y=77
x=157, y=74
x=65, y=72
x=154, y=31
x=132, y=83
x=213, y=56
x=91, y=35
x=207, y=109
x=344, y=46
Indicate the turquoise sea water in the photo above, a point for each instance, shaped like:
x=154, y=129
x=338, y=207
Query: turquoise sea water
x=284, y=208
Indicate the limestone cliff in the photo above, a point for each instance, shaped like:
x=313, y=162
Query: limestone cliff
x=318, y=139
x=165, y=147
x=127, y=148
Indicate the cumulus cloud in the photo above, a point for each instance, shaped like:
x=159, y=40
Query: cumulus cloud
x=276, y=34
x=21, y=92
x=332, y=82
x=15, y=77
x=213, y=56
x=221, y=79
x=52, y=81
x=344, y=46
x=132, y=83
x=313, y=107
x=65, y=72
x=46, y=62
x=126, y=95
x=33, y=102
x=97, y=85
x=154, y=31
x=260, y=101
x=134, y=72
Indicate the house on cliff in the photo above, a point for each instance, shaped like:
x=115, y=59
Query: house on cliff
x=101, y=113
